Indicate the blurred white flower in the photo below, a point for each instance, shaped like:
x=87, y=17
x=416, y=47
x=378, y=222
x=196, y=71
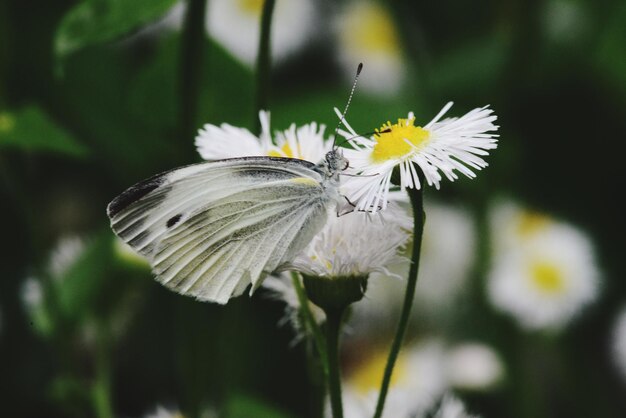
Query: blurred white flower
x=32, y=294
x=440, y=147
x=473, y=366
x=452, y=407
x=356, y=244
x=448, y=254
x=161, y=412
x=447, y=257
x=62, y=257
x=417, y=383
x=512, y=227
x=367, y=33
x=64, y=254
x=543, y=272
x=619, y=342
x=282, y=289
x=565, y=21
x=305, y=142
x=236, y=25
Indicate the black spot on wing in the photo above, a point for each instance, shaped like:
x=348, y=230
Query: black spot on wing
x=133, y=194
x=173, y=220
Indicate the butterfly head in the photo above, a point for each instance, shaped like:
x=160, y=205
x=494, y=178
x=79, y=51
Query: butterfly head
x=334, y=162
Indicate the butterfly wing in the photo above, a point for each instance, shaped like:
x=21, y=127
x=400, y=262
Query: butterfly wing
x=211, y=229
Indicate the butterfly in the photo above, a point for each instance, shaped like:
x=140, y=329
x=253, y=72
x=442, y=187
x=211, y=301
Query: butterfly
x=212, y=229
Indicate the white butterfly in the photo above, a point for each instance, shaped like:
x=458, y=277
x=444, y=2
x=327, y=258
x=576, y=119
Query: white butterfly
x=211, y=229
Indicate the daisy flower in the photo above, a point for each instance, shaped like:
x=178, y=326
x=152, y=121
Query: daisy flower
x=452, y=407
x=356, y=244
x=473, y=366
x=280, y=288
x=236, y=25
x=448, y=254
x=305, y=142
x=440, y=147
x=544, y=274
x=162, y=412
x=367, y=33
x=417, y=383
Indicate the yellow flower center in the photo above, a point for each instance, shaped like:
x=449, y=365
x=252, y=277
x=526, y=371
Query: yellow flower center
x=285, y=151
x=368, y=376
x=531, y=222
x=547, y=277
x=7, y=122
x=371, y=28
x=253, y=7
x=398, y=140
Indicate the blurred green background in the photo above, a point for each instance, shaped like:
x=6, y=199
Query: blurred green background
x=90, y=104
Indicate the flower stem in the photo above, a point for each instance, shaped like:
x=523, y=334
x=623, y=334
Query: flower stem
x=417, y=203
x=263, y=62
x=191, y=65
x=310, y=323
x=333, y=327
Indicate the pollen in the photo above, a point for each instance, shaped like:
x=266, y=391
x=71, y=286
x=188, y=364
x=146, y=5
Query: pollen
x=398, y=140
x=367, y=376
x=547, y=277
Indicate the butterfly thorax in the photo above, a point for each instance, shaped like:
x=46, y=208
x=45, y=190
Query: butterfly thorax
x=332, y=165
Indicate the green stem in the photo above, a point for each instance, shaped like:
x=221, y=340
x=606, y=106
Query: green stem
x=333, y=327
x=310, y=322
x=263, y=63
x=417, y=203
x=191, y=66
x=101, y=391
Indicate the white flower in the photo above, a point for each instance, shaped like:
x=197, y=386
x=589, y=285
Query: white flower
x=447, y=257
x=448, y=253
x=236, y=25
x=473, y=366
x=452, y=407
x=32, y=294
x=282, y=289
x=367, y=33
x=619, y=342
x=440, y=147
x=161, y=412
x=417, y=382
x=355, y=244
x=306, y=142
x=64, y=255
x=543, y=270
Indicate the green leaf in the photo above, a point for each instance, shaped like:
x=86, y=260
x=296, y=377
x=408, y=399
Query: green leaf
x=96, y=21
x=30, y=129
x=240, y=406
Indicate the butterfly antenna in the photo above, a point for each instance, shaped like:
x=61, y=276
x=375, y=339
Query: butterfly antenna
x=345, y=110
